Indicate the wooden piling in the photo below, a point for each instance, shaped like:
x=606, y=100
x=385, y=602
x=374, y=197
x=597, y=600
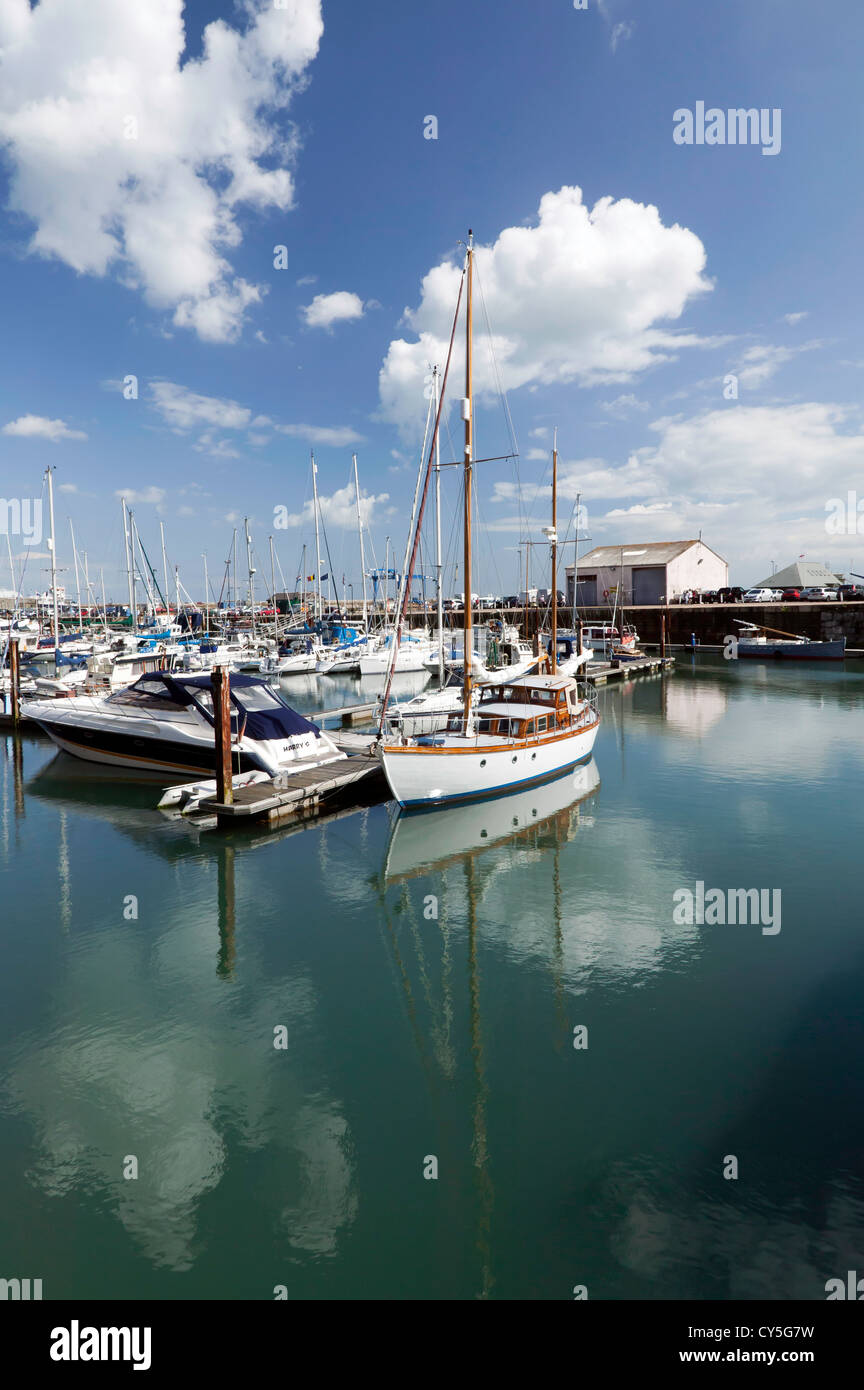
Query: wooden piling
x=579, y=636
x=15, y=681
x=220, y=684
x=662, y=636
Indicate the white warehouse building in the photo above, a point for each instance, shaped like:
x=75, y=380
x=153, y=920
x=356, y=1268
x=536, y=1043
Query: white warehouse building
x=648, y=572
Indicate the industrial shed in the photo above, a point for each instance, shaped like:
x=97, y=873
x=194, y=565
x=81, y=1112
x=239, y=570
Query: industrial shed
x=647, y=572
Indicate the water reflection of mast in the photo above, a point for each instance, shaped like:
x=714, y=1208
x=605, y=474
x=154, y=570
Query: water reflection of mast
x=558, y=948
x=480, y=1143
x=65, y=881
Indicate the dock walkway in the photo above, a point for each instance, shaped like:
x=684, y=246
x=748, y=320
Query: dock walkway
x=295, y=795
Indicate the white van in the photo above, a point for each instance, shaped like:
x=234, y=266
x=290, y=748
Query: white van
x=762, y=596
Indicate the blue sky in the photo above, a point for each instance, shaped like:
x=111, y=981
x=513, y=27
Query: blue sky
x=149, y=251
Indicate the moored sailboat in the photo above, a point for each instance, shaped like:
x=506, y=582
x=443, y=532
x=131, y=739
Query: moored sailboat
x=521, y=732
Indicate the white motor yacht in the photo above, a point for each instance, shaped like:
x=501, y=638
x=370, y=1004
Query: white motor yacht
x=164, y=723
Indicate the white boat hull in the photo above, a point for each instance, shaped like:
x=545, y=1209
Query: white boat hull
x=377, y=663
x=419, y=843
x=289, y=665
x=432, y=777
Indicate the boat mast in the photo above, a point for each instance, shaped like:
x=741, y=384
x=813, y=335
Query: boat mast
x=145, y=568
x=53, y=563
x=576, y=555
x=234, y=574
x=77, y=578
x=132, y=614
x=104, y=604
x=438, y=571
x=206, y=599
x=386, y=578
x=317, y=541
x=165, y=571
x=273, y=591
x=87, y=590
x=360, y=530
x=251, y=573
x=554, y=538
x=466, y=415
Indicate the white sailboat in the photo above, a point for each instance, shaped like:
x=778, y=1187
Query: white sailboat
x=521, y=732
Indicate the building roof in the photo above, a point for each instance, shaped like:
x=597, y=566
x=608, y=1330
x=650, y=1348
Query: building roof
x=639, y=553
x=802, y=575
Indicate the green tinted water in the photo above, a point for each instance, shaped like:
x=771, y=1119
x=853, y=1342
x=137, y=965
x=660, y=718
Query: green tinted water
x=412, y=1037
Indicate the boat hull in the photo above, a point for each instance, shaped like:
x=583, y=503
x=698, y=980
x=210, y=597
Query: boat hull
x=432, y=777
x=377, y=664
x=793, y=651
x=150, y=754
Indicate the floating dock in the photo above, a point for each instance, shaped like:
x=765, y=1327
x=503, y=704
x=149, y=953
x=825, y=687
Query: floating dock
x=605, y=671
x=301, y=794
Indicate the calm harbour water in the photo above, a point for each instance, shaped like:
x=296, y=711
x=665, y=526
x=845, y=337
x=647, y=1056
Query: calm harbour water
x=409, y=1035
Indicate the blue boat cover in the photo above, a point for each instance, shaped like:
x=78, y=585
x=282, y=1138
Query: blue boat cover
x=276, y=721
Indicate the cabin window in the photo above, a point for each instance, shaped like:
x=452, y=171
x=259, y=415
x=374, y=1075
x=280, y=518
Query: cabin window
x=151, y=693
x=542, y=723
x=202, y=697
x=255, y=697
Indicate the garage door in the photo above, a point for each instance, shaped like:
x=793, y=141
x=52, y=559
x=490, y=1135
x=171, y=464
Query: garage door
x=586, y=591
x=649, y=584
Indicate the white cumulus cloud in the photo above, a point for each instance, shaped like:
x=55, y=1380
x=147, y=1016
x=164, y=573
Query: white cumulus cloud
x=327, y=309
x=183, y=409
x=38, y=427
x=340, y=509
x=578, y=297
x=128, y=161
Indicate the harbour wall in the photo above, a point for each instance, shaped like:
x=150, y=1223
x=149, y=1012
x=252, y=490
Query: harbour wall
x=712, y=623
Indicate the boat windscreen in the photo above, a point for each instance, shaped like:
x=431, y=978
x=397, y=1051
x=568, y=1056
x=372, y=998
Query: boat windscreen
x=257, y=697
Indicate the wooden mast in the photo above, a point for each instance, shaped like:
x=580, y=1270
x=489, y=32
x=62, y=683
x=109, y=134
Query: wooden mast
x=553, y=666
x=467, y=408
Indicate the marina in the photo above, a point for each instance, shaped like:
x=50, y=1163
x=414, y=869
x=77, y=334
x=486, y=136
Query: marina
x=431, y=674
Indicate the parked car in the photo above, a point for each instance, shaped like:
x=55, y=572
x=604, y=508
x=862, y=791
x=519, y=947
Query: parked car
x=762, y=595
x=790, y=594
x=730, y=594
x=511, y=601
x=851, y=591
x=817, y=593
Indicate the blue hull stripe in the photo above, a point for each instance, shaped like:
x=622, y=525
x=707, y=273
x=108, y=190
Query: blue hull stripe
x=427, y=802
